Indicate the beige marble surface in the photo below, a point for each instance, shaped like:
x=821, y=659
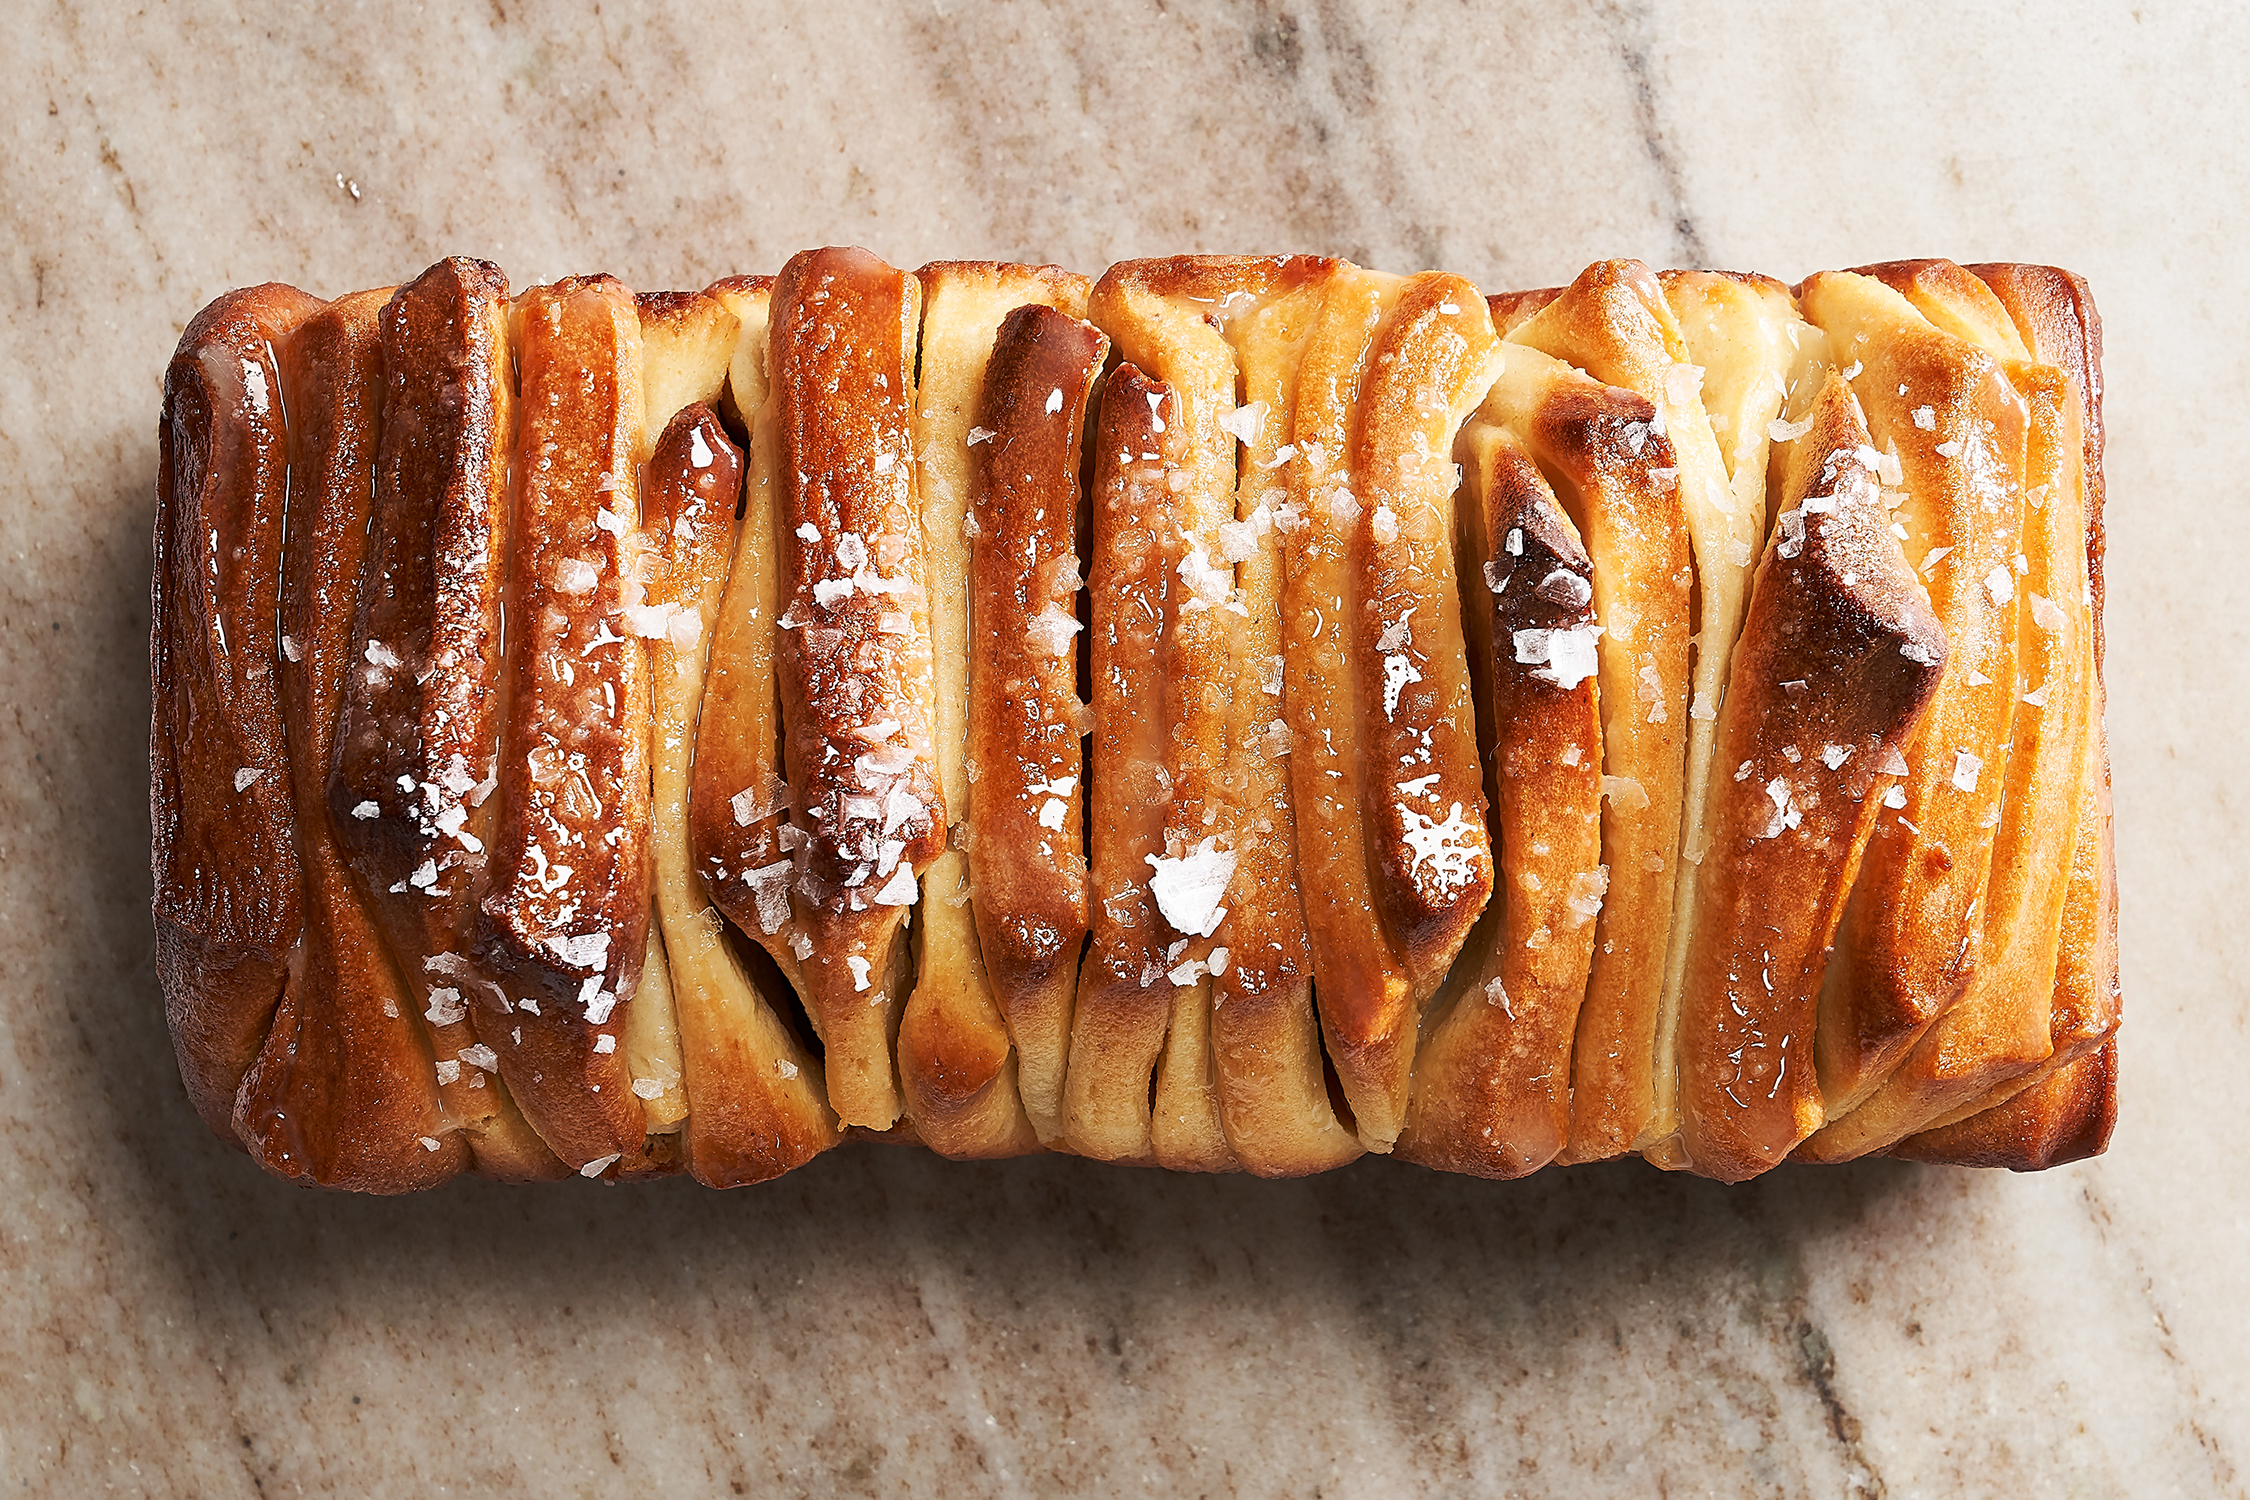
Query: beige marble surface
x=882, y=1323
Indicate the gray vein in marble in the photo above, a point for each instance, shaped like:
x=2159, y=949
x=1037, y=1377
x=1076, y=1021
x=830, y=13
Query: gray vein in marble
x=1630, y=22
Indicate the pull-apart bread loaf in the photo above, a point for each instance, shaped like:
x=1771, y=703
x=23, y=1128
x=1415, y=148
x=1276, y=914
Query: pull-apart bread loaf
x=1231, y=715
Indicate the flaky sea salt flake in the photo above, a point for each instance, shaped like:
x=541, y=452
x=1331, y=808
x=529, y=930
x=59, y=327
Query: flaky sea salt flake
x=1449, y=848
x=1624, y=793
x=1050, y=631
x=900, y=890
x=1244, y=422
x=769, y=887
x=585, y=951
x=1188, y=889
x=1584, y=894
x=1563, y=657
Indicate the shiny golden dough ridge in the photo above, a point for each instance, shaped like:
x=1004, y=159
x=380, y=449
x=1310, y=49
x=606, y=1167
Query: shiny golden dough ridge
x=1240, y=1078
x=2038, y=1119
x=414, y=767
x=226, y=899
x=344, y=1092
x=562, y=918
x=855, y=667
x=983, y=1040
x=1124, y=1005
x=1837, y=661
x=1025, y=817
x=1492, y=1077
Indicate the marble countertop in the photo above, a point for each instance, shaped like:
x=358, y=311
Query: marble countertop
x=171, y=1322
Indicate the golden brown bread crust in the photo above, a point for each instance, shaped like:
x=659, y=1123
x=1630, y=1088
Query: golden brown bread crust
x=415, y=761
x=1124, y=996
x=981, y=1076
x=738, y=830
x=1616, y=322
x=1418, y=783
x=756, y=1107
x=2065, y=1117
x=1910, y=940
x=2055, y=314
x=1613, y=474
x=1368, y=995
x=2000, y=1029
x=1436, y=359
x=430, y=598
x=1492, y=1077
x=687, y=343
x=1749, y=352
x=1955, y=299
x=343, y=1093
x=1590, y=436
x=1168, y=319
x=1837, y=661
x=562, y=921
x=2084, y=1011
x=1268, y=389
x=1026, y=817
x=1277, y=1104
x=227, y=902
x=858, y=697
x=738, y=799
x=2054, y=311
x=1241, y=1079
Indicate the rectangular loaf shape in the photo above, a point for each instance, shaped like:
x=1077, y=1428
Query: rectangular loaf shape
x=1229, y=714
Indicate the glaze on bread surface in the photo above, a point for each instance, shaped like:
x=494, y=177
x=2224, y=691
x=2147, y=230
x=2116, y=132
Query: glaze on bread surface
x=227, y=905
x=985, y=1036
x=1230, y=715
